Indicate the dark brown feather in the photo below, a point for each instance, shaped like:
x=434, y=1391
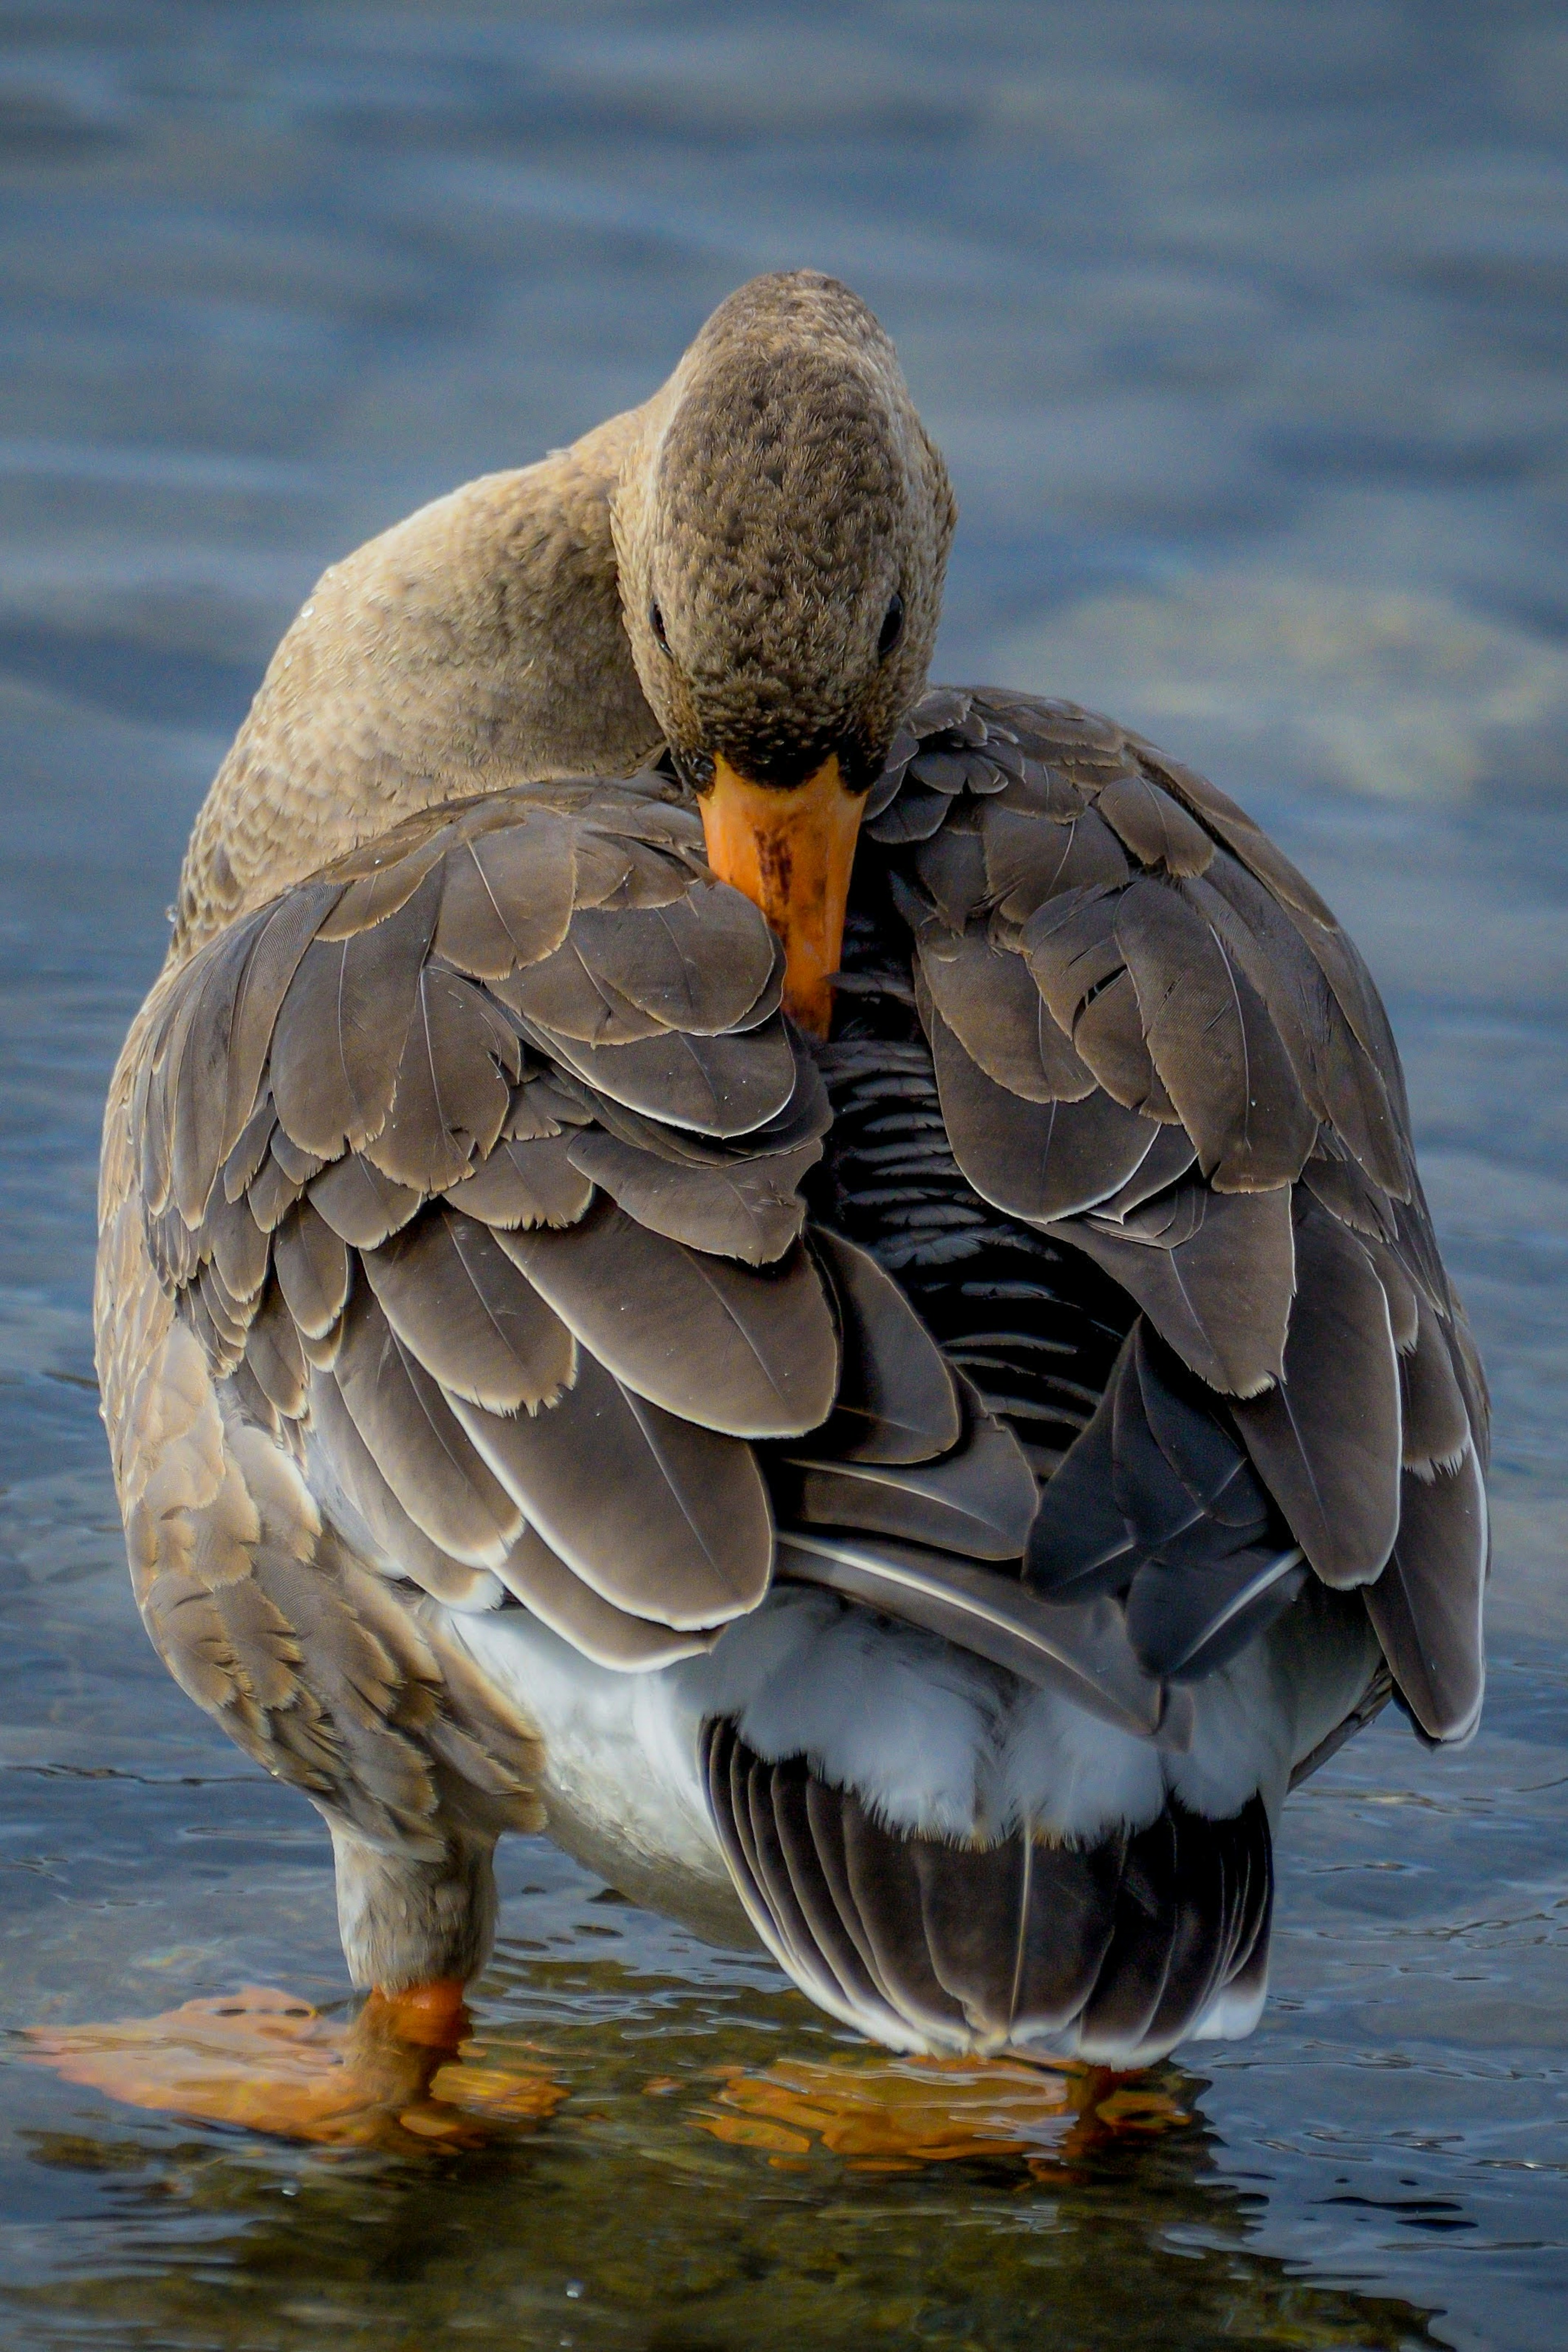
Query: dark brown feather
x=1110, y=1037
x=897, y=1399
x=1326, y=1442
x=952, y=870
x=1340, y=1081
x=1213, y=1044
x=989, y=1001
x=1435, y=1424
x=1221, y=1296
x=1426, y=1607
x=1029, y=859
x=1039, y=1162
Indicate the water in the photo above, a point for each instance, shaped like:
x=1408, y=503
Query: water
x=1242, y=328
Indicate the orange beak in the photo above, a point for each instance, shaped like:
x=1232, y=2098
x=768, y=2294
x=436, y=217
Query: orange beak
x=791, y=852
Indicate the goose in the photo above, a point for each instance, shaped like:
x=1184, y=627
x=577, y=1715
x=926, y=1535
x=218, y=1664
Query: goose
x=815, y=1285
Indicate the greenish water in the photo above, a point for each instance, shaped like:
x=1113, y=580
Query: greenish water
x=1242, y=328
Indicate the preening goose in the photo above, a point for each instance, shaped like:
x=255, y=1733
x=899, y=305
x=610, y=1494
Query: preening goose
x=816, y=1285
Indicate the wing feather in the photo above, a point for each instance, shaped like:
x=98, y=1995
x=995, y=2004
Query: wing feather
x=750, y=1353
x=661, y=1518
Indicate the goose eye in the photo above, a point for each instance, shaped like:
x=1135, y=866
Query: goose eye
x=892, y=628
x=656, y=623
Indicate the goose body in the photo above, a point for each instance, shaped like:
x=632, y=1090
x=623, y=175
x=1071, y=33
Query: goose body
x=892, y=1402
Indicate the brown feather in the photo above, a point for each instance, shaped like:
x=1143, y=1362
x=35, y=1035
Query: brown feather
x=989, y=1001
x=341, y=1029
x=718, y=1086
x=1220, y=1294
x=1327, y=1442
x=663, y=1519
x=610, y=1636
x=312, y=1270
x=1156, y=829
x=195, y=1081
x=239, y=1248
x=507, y=894
x=271, y=1194
x=281, y=939
x=383, y=881
x=272, y=1350
x=699, y=964
x=1426, y=1607
x=1040, y=1162
x=250, y=1149
x=978, y=1499
x=361, y=1204
x=454, y=1084
x=1213, y=1044
x=749, y=1209
x=416, y=1444
x=751, y=1353
x=526, y=1183
x=377, y=1525
x=477, y=1324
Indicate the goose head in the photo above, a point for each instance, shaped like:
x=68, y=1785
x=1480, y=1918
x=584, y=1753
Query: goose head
x=781, y=532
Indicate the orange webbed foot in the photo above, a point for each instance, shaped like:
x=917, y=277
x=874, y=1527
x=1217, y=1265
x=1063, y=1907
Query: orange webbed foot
x=897, y=2115
x=400, y=2072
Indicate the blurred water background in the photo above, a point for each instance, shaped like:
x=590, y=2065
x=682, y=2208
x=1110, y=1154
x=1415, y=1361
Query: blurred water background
x=1242, y=326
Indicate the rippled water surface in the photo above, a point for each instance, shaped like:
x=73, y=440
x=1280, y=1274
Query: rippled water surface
x=1242, y=326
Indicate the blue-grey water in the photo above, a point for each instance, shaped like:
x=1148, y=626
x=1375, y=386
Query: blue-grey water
x=1243, y=325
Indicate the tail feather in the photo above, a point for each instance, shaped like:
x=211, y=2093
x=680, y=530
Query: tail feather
x=1114, y=1951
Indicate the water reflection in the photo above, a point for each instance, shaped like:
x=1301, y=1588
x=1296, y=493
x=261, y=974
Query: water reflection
x=1247, y=354
x=627, y=2221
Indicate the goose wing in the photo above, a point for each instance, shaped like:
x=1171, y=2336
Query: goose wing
x=1152, y=1040
x=473, y=1166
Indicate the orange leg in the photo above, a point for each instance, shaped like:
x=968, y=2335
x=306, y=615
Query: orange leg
x=400, y=2073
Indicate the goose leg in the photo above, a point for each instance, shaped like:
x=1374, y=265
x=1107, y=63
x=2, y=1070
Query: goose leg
x=403, y=2069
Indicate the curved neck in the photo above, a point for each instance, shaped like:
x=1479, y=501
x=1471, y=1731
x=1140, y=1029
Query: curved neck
x=478, y=642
